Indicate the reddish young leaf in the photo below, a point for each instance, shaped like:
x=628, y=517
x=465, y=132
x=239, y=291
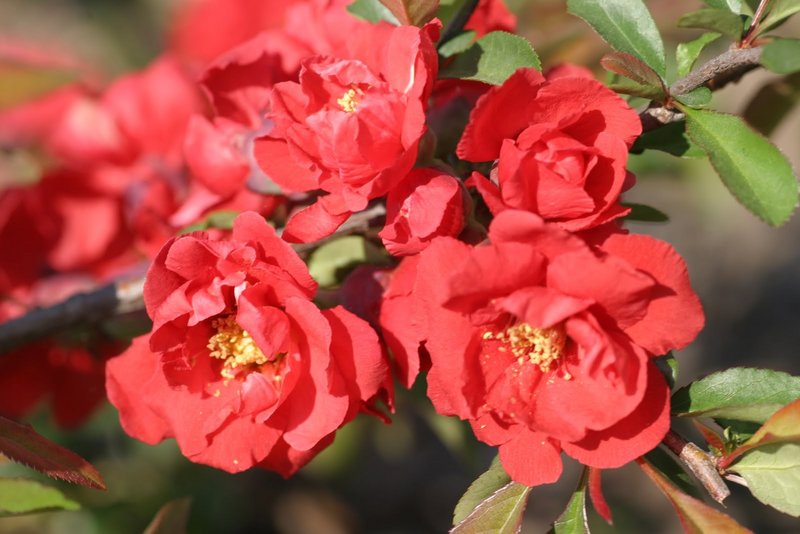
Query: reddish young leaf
x=171, y=518
x=596, y=494
x=412, y=12
x=783, y=425
x=711, y=437
x=634, y=69
x=22, y=444
x=695, y=516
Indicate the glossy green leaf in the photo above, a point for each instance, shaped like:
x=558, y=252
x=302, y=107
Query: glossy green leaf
x=751, y=167
x=773, y=103
x=172, y=518
x=457, y=44
x=412, y=12
x=696, y=517
x=372, y=11
x=687, y=53
x=699, y=97
x=772, y=473
x=500, y=513
x=717, y=20
x=331, y=262
x=22, y=444
x=492, y=59
x=779, y=12
x=644, y=213
x=670, y=138
x=667, y=364
x=19, y=496
x=573, y=519
x=634, y=69
x=448, y=9
x=782, y=56
x=739, y=393
x=481, y=488
x=627, y=26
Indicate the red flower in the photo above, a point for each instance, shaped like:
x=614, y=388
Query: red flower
x=428, y=204
x=351, y=126
x=241, y=368
x=555, y=339
x=562, y=145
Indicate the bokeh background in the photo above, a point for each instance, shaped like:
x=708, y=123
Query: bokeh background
x=407, y=477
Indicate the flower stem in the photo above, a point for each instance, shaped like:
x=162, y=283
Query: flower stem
x=754, y=24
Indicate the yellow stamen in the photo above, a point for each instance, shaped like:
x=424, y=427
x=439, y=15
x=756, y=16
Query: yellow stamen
x=234, y=346
x=542, y=347
x=350, y=100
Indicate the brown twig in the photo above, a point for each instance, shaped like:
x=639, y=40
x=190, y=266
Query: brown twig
x=125, y=296
x=714, y=74
x=702, y=466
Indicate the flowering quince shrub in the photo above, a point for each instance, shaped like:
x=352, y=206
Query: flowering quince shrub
x=301, y=205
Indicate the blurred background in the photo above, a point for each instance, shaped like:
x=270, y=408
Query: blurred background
x=407, y=477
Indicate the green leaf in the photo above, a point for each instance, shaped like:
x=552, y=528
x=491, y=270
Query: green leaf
x=22, y=444
x=627, y=26
x=751, y=167
x=457, y=44
x=171, y=518
x=222, y=219
x=717, y=20
x=644, y=213
x=448, y=9
x=412, y=12
x=329, y=264
x=732, y=5
x=782, y=56
x=695, y=516
x=19, y=496
x=492, y=59
x=670, y=138
x=573, y=520
x=667, y=364
x=739, y=393
x=500, y=513
x=780, y=11
x=772, y=473
x=696, y=98
x=772, y=103
x=481, y=488
x=629, y=87
x=372, y=11
x=687, y=53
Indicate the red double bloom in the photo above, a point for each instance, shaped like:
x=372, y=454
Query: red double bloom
x=561, y=143
x=554, y=339
x=241, y=368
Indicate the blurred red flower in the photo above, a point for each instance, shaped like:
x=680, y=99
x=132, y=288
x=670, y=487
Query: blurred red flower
x=241, y=368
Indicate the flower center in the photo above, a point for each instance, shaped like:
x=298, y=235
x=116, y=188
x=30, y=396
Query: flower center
x=542, y=347
x=234, y=346
x=350, y=100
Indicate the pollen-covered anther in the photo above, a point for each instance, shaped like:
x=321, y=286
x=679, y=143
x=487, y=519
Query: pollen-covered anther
x=234, y=346
x=542, y=347
x=350, y=100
